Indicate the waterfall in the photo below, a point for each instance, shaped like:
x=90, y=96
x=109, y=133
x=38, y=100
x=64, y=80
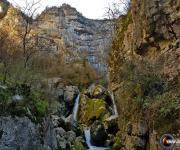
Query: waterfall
x=115, y=115
x=87, y=135
x=75, y=108
x=87, y=130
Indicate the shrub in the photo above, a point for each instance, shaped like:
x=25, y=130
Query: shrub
x=38, y=104
x=145, y=93
x=41, y=107
x=5, y=96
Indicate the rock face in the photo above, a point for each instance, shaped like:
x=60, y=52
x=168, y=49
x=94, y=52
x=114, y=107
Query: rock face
x=137, y=135
x=14, y=131
x=148, y=33
x=63, y=30
x=66, y=29
x=22, y=133
x=70, y=93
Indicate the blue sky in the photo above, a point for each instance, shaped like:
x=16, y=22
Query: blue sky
x=94, y=9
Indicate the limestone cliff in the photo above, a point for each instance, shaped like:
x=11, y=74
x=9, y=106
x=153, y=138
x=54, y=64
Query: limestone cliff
x=75, y=33
x=150, y=30
x=144, y=71
x=63, y=30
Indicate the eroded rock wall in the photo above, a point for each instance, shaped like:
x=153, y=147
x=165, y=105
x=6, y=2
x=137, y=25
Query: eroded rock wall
x=148, y=33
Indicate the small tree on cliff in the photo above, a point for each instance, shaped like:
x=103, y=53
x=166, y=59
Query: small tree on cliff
x=117, y=9
x=8, y=53
x=28, y=36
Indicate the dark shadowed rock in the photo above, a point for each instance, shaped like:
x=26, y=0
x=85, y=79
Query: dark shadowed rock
x=70, y=93
x=98, y=134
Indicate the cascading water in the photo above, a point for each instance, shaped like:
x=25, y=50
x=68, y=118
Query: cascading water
x=115, y=115
x=87, y=135
x=87, y=130
x=75, y=108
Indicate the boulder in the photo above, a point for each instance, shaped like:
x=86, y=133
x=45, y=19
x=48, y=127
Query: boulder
x=98, y=134
x=70, y=136
x=18, y=133
x=58, y=137
x=95, y=91
x=98, y=91
x=17, y=98
x=91, y=110
x=78, y=144
x=65, y=139
x=61, y=141
x=58, y=121
x=65, y=123
x=70, y=93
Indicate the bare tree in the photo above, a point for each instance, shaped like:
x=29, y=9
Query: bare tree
x=26, y=33
x=116, y=9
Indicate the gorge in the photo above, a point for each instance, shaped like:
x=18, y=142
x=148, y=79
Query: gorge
x=72, y=83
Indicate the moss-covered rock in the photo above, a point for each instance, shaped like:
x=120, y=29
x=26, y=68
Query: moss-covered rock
x=92, y=109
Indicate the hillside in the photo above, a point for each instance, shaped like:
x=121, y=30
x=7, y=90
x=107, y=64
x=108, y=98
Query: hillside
x=144, y=68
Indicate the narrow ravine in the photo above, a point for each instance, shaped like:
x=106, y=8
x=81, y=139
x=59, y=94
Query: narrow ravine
x=86, y=130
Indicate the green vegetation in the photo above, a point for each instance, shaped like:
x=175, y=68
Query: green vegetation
x=25, y=74
x=145, y=92
x=30, y=104
x=117, y=143
x=116, y=55
x=78, y=145
x=121, y=28
x=92, y=109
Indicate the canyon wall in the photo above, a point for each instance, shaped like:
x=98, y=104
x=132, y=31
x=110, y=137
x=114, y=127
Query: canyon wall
x=144, y=72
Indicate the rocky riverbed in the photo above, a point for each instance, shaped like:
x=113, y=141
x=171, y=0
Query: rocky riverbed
x=78, y=120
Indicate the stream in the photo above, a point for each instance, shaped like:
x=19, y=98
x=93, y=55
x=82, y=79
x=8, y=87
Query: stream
x=87, y=134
